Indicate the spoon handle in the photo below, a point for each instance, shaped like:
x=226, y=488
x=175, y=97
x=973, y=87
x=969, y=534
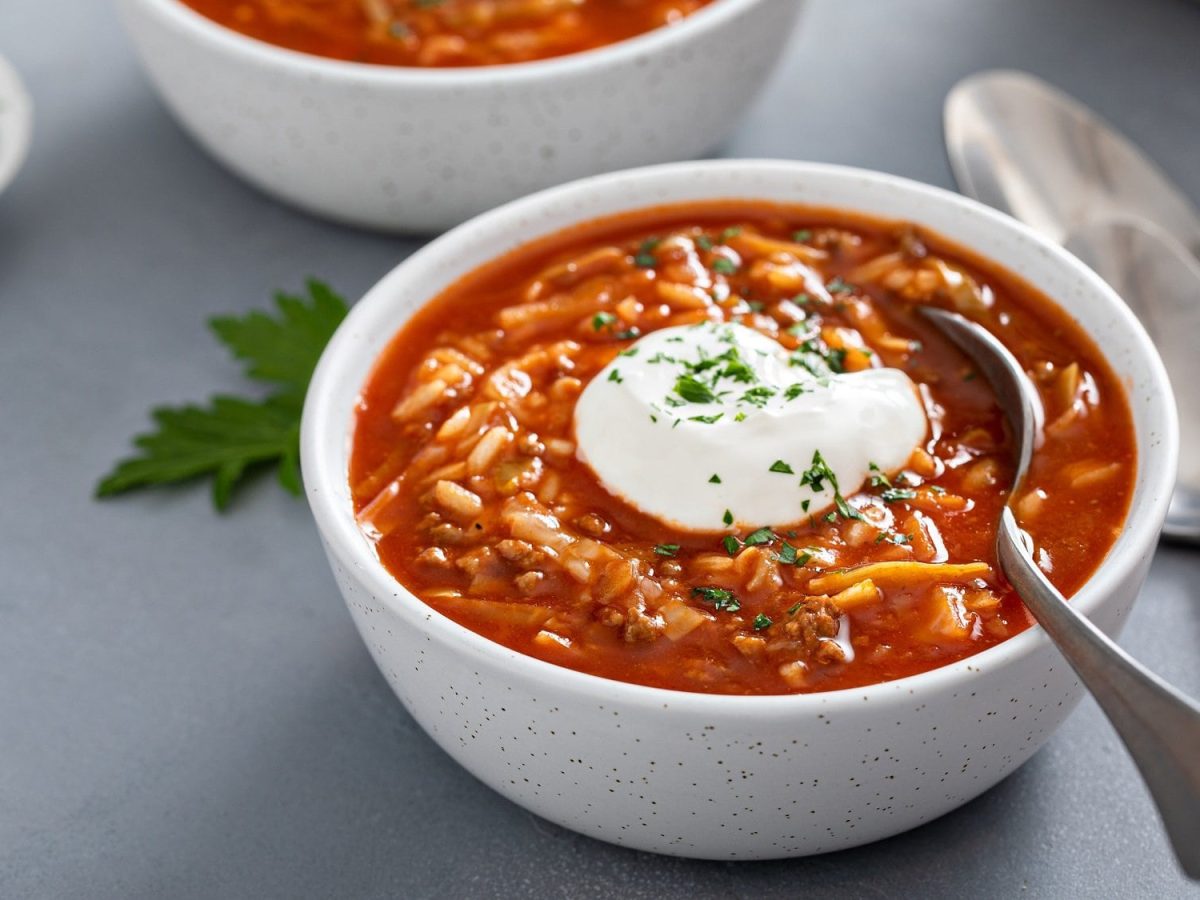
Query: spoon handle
x=1159, y=725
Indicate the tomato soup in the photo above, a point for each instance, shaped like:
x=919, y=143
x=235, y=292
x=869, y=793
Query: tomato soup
x=716, y=448
x=444, y=33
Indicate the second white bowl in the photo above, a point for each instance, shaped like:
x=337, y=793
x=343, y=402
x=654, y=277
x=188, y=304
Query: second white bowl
x=419, y=150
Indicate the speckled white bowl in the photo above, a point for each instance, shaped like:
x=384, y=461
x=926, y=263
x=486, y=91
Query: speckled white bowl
x=716, y=776
x=16, y=123
x=408, y=149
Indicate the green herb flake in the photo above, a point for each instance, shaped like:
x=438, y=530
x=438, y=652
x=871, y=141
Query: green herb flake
x=895, y=495
x=727, y=518
x=780, y=466
x=666, y=549
x=716, y=479
x=693, y=390
x=760, y=536
x=720, y=598
x=878, y=477
x=731, y=232
x=723, y=265
x=838, y=286
x=231, y=437
x=602, y=320
x=707, y=420
x=731, y=544
x=793, y=391
x=615, y=375
x=802, y=236
x=761, y=621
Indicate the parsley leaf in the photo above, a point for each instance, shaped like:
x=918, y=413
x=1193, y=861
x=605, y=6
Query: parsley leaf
x=720, y=598
x=762, y=621
x=666, y=549
x=761, y=536
x=693, y=390
x=232, y=436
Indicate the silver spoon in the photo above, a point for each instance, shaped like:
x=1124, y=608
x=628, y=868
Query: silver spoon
x=1027, y=148
x=1161, y=283
x=1159, y=725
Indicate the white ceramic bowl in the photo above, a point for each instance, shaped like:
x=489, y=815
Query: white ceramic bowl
x=717, y=776
x=409, y=149
x=16, y=123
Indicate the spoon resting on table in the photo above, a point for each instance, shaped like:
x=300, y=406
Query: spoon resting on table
x=1159, y=725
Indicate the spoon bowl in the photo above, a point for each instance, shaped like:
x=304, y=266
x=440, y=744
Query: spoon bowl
x=1024, y=147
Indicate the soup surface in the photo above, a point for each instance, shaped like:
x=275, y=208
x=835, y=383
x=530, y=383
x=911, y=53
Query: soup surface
x=488, y=439
x=444, y=32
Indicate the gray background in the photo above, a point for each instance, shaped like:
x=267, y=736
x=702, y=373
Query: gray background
x=185, y=709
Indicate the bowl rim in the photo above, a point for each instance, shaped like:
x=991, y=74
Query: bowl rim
x=344, y=540
x=648, y=43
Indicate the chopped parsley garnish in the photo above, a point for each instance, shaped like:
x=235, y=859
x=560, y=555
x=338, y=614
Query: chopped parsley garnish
x=758, y=396
x=761, y=621
x=731, y=544
x=632, y=351
x=816, y=476
x=838, y=286
x=836, y=358
x=704, y=242
x=720, y=598
x=740, y=417
x=878, y=478
x=615, y=375
x=731, y=232
x=644, y=258
x=628, y=334
x=229, y=438
x=894, y=495
x=727, y=518
x=801, y=236
x=723, y=265
x=602, y=320
x=756, y=306
x=707, y=420
x=793, y=391
x=716, y=479
x=760, y=536
x=787, y=554
x=693, y=390
x=780, y=466
x=666, y=549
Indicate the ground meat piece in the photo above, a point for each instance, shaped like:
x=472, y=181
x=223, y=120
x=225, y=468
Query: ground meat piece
x=473, y=562
x=527, y=582
x=521, y=553
x=641, y=627
x=814, y=622
x=434, y=557
x=611, y=616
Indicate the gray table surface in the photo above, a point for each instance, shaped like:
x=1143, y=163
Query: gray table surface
x=185, y=708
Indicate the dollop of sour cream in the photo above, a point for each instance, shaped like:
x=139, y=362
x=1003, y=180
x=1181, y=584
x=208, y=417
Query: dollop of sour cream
x=712, y=426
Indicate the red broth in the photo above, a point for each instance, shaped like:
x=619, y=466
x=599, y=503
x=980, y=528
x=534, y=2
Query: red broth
x=444, y=33
x=467, y=479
